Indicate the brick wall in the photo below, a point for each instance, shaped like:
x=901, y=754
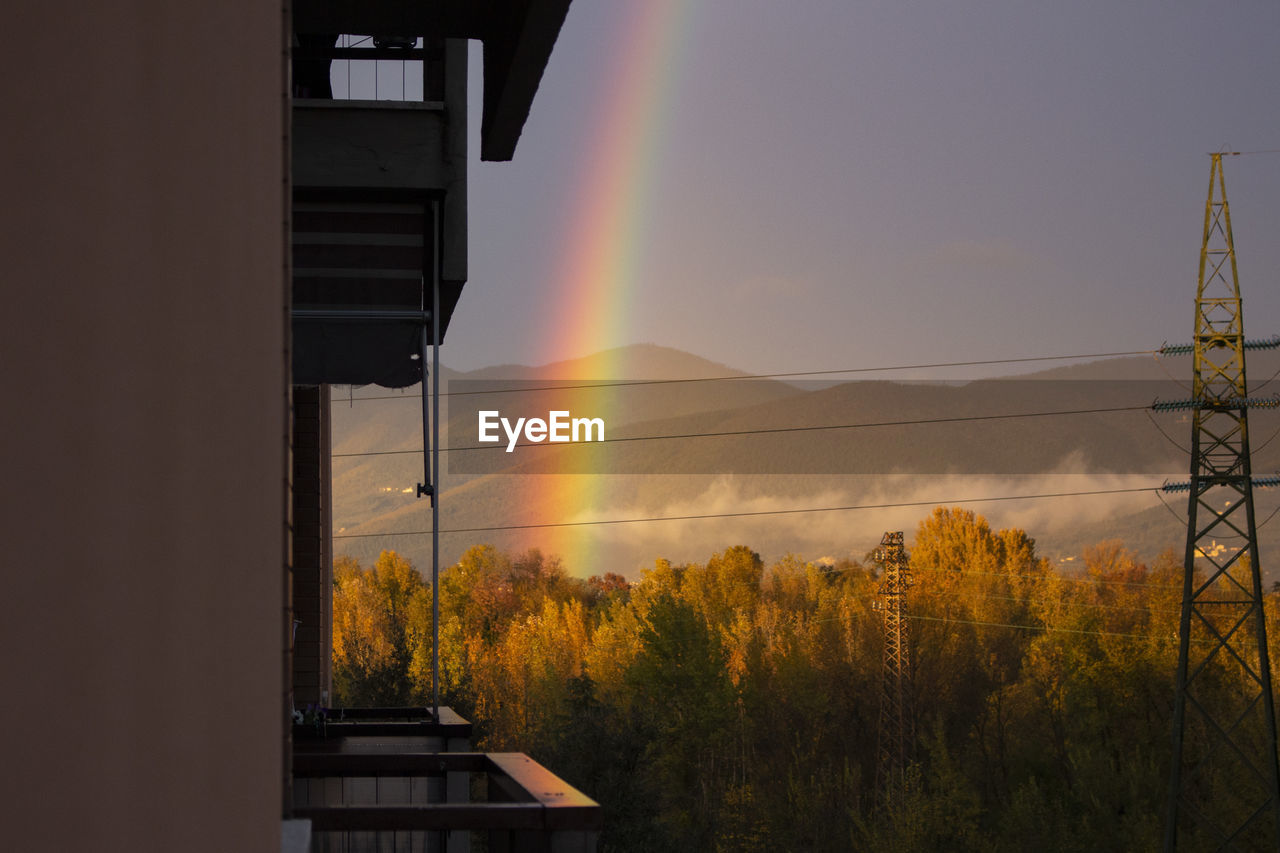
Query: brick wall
x=312, y=559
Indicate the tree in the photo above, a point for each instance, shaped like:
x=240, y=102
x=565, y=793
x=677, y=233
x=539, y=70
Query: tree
x=381, y=632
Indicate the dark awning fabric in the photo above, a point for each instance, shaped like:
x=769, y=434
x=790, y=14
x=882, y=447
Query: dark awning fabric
x=351, y=353
x=353, y=258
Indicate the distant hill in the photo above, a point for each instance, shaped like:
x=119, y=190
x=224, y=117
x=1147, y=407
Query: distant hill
x=1263, y=366
x=637, y=361
x=947, y=459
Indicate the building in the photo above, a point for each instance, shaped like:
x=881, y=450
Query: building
x=149, y=347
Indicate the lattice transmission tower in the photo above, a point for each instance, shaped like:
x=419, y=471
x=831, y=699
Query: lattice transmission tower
x=1224, y=791
x=897, y=725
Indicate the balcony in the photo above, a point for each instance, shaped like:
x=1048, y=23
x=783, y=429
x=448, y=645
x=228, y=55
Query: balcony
x=393, y=780
x=379, y=208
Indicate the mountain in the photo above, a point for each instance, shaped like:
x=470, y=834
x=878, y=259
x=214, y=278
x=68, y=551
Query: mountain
x=952, y=450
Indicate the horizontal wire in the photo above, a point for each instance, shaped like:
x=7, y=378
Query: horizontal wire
x=756, y=513
x=1027, y=627
x=1057, y=630
x=768, y=430
x=1063, y=602
x=746, y=376
x=1044, y=628
x=966, y=573
x=1050, y=629
x=1058, y=578
x=1029, y=600
x=1054, y=576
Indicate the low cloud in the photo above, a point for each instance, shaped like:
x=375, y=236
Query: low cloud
x=882, y=503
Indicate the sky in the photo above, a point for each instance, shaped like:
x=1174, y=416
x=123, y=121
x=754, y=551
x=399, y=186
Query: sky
x=827, y=184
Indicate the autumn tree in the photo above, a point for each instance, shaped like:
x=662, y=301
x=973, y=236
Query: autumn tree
x=381, y=632
x=733, y=705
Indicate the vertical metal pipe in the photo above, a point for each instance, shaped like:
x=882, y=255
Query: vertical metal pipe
x=435, y=496
x=424, y=350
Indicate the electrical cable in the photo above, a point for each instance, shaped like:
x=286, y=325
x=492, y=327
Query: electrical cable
x=1180, y=519
x=1061, y=602
x=1184, y=386
x=1026, y=627
x=1265, y=520
x=1259, y=448
x=1056, y=630
x=769, y=430
x=1166, y=435
x=757, y=513
x=793, y=374
x=1044, y=628
x=1041, y=575
x=1267, y=382
x=1055, y=577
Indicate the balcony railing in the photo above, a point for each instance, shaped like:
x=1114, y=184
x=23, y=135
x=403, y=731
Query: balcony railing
x=377, y=784
x=350, y=728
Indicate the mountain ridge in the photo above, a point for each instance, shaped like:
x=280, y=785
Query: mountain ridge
x=689, y=476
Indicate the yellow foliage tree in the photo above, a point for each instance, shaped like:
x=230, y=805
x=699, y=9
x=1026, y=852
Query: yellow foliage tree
x=381, y=632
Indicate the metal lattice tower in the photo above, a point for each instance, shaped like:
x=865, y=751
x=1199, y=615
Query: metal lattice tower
x=897, y=728
x=1224, y=791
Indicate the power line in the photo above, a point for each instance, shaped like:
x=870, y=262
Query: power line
x=1058, y=578
x=1028, y=627
x=794, y=374
x=1166, y=435
x=1052, y=575
x=1100, y=606
x=1044, y=628
x=773, y=430
x=1063, y=602
x=751, y=514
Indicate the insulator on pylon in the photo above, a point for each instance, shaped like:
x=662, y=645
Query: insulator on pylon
x=1211, y=403
x=1255, y=344
x=1257, y=482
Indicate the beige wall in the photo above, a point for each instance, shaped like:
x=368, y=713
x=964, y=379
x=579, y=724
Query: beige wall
x=142, y=342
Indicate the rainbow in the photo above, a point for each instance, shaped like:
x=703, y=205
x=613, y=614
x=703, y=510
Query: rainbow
x=593, y=289
x=595, y=282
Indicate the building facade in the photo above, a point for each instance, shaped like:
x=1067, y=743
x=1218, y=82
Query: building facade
x=149, y=447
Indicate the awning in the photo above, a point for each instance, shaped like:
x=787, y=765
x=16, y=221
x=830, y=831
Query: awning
x=362, y=272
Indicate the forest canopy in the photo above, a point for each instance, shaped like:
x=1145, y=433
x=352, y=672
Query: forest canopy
x=734, y=705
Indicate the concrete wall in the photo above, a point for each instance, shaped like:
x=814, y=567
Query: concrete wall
x=142, y=344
